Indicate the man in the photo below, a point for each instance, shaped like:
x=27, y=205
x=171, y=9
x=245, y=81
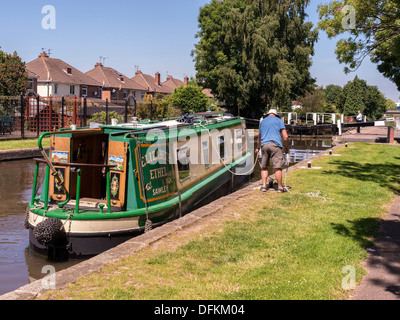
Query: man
x=272, y=129
x=359, y=120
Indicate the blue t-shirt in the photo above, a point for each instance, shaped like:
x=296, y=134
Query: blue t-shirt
x=270, y=130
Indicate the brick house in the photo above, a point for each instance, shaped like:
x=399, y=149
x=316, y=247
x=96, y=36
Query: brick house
x=153, y=85
x=115, y=85
x=175, y=83
x=57, y=78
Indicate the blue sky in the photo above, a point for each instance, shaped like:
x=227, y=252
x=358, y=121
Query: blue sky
x=157, y=36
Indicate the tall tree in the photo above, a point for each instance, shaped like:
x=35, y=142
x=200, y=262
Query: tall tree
x=357, y=95
x=255, y=54
x=374, y=29
x=331, y=93
x=13, y=76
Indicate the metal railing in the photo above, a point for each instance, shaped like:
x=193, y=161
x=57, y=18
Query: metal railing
x=50, y=166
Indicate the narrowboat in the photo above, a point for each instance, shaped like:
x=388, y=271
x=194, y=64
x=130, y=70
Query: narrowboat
x=105, y=184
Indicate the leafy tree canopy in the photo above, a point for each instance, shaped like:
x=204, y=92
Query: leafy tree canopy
x=190, y=98
x=331, y=93
x=313, y=101
x=357, y=95
x=13, y=76
x=374, y=29
x=255, y=54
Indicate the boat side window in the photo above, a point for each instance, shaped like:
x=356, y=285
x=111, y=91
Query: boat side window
x=238, y=141
x=221, y=144
x=206, y=154
x=183, y=162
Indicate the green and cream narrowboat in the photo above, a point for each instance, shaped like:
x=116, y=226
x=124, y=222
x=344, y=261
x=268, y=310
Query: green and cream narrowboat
x=105, y=184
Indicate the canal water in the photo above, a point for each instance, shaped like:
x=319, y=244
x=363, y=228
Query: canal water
x=18, y=264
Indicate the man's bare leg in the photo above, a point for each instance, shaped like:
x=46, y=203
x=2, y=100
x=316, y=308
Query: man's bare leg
x=278, y=177
x=264, y=177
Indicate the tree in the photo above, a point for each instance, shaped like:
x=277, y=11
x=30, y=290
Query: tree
x=13, y=76
x=153, y=108
x=375, y=103
x=357, y=95
x=351, y=100
x=390, y=104
x=313, y=101
x=255, y=54
x=374, y=30
x=190, y=98
x=101, y=117
x=331, y=94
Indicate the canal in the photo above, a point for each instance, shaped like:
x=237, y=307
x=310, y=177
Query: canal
x=18, y=264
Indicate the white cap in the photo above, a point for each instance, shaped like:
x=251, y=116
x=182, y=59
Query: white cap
x=273, y=111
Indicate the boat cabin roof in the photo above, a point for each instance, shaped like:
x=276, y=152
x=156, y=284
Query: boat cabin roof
x=143, y=126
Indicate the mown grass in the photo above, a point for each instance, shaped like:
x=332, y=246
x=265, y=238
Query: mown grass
x=22, y=144
x=267, y=246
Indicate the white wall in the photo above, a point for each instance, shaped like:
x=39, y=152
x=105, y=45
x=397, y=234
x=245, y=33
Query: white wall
x=47, y=90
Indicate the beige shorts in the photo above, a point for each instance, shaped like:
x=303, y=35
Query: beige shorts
x=272, y=153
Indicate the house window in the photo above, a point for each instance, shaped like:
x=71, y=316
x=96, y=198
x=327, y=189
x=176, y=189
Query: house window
x=30, y=84
x=114, y=94
x=56, y=88
x=183, y=156
x=71, y=89
x=84, y=91
x=125, y=93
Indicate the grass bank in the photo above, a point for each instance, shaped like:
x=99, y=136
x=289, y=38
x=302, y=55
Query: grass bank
x=22, y=144
x=266, y=246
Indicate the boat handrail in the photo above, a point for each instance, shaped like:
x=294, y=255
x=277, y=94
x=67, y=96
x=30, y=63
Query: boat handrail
x=78, y=183
x=65, y=164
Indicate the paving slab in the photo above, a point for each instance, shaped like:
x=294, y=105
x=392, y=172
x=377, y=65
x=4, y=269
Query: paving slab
x=383, y=263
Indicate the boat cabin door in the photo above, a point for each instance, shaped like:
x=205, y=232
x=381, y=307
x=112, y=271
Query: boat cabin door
x=117, y=156
x=60, y=153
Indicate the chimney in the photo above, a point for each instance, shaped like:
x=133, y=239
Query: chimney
x=138, y=72
x=98, y=64
x=158, y=79
x=43, y=55
x=169, y=77
x=186, y=80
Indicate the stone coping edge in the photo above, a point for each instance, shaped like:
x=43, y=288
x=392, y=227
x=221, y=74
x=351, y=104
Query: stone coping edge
x=21, y=154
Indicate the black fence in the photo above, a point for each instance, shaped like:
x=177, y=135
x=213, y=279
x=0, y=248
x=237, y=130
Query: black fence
x=29, y=116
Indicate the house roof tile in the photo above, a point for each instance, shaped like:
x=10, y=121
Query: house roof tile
x=111, y=78
x=56, y=70
x=150, y=83
x=173, y=83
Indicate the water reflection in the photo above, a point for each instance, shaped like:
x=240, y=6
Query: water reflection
x=301, y=150
x=18, y=265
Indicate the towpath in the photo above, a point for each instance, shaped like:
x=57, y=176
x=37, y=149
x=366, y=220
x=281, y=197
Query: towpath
x=383, y=263
x=368, y=134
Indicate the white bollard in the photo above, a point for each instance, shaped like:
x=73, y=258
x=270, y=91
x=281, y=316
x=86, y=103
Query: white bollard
x=339, y=125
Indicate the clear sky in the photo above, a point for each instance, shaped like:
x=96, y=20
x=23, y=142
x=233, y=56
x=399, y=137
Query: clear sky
x=156, y=36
